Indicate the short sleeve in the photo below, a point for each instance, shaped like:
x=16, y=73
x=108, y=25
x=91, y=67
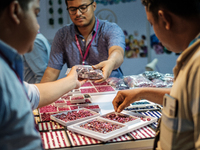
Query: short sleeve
x=33, y=94
x=115, y=36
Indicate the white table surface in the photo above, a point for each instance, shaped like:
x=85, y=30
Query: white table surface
x=104, y=102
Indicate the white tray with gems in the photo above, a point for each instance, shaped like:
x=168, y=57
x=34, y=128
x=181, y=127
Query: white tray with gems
x=125, y=128
x=121, y=118
x=67, y=118
x=99, y=128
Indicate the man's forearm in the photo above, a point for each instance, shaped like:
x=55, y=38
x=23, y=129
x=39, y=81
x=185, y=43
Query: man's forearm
x=49, y=92
x=116, y=55
x=50, y=74
x=153, y=94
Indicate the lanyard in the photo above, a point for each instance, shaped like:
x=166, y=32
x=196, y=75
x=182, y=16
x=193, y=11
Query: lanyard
x=88, y=47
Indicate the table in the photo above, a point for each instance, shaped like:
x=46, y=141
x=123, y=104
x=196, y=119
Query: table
x=105, y=103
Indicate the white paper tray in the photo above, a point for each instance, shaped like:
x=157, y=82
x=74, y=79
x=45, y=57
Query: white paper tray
x=128, y=127
x=74, y=121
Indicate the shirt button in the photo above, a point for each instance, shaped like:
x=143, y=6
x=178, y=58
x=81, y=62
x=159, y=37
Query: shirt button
x=83, y=40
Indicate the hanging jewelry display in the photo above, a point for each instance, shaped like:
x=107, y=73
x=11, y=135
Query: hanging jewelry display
x=51, y=12
x=60, y=12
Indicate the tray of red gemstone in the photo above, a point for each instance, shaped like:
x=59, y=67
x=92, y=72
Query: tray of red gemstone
x=73, y=116
x=48, y=109
x=99, y=128
x=121, y=117
x=78, y=98
x=95, y=90
x=60, y=102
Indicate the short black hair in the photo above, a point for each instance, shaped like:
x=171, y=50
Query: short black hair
x=72, y=0
x=182, y=8
x=6, y=3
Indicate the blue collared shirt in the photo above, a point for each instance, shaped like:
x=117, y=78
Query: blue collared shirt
x=17, y=129
x=64, y=48
x=35, y=62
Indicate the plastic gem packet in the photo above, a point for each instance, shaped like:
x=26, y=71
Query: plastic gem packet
x=138, y=81
x=152, y=75
x=87, y=72
x=117, y=83
x=159, y=83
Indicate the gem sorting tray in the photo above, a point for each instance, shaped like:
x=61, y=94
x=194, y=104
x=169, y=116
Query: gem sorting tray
x=67, y=118
x=99, y=128
x=125, y=128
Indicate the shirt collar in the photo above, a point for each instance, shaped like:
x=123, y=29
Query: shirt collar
x=13, y=57
x=185, y=55
x=78, y=33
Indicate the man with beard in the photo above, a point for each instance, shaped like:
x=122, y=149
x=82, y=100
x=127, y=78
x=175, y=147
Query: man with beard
x=89, y=41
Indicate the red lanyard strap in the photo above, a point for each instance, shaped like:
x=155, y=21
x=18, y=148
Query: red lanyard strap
x=88, y=47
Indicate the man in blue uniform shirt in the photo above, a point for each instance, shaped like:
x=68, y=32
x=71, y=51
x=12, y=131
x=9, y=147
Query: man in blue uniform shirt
x=35, y=62
x=18, y=30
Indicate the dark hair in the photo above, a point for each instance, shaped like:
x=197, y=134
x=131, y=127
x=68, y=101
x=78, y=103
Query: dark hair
x=5, y=3
x=72, y=0
x=182, y=8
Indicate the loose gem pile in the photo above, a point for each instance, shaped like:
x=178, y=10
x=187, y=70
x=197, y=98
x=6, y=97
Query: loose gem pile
x=101, y=126
x=119, y=118
x=74, y=115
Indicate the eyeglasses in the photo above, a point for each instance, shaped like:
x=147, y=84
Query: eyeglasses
x=83, y=9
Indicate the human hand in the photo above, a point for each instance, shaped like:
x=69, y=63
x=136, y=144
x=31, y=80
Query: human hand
x=106, y=67
x=73, y=75
x=124, y=98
